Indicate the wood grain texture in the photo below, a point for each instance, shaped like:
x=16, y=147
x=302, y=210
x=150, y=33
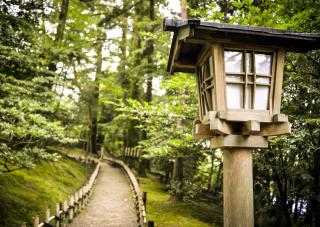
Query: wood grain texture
x=278, y=81
x=219, y=80
x=251, y=128
x=240, y=141
x=237, y=188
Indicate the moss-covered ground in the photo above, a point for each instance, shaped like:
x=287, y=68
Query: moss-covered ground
x=71, y=151
x=28, y=192
x=165, y=212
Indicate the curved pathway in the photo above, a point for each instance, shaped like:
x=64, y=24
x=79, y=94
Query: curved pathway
x=111, y=203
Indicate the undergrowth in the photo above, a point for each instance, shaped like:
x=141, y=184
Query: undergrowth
x=168, y=213
x=28, y=192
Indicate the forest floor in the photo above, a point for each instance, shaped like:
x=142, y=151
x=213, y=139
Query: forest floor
x=168, y=213
x=111, y=203
x=28, y=192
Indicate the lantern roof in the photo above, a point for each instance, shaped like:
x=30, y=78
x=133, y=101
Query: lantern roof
x=190, y=36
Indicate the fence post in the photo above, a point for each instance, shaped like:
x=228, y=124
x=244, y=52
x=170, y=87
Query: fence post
x=76, y=201
x=36, y=220
x=70, y=208
x=47, y=215
x=85, y=192
x=65, y=210
x=81, y=194
x=58, y=217
x=144, y=199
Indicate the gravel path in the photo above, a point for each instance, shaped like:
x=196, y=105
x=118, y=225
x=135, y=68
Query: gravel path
x=111, y=203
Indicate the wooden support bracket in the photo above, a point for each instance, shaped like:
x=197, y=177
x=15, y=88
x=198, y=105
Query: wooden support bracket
x=280, y=118
x=220, y=127
x=251, y=128
x=275, y=129
x=201, y=131
x=239, y=141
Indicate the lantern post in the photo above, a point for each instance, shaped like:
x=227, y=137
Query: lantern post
x=239, y=71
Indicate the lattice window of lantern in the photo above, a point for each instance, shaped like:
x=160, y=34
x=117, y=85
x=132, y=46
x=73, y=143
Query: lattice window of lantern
x=205, y=86
x=248, y=79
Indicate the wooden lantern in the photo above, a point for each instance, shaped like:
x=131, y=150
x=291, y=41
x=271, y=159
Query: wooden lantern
x=239, y=73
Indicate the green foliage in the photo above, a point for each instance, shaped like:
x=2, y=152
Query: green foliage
x=30, y=117
x=166, y=123
x=37, y=73
x=27, y=123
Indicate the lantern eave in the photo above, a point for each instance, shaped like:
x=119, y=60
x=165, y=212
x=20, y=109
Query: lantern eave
x=191, y=35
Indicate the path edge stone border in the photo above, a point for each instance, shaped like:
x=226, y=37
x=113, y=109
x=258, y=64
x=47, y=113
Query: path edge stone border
x=141, y=213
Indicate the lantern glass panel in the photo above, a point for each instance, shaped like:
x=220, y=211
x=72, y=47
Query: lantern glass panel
x=235, y=96
x=233, y=61
x=234, y=78
x=261, y=98
x=263, y=80
x=248, y=79
x=249, y=68
x=263, y=64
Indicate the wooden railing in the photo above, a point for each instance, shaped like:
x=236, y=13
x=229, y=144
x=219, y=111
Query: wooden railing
x=137, y=195
x=65, y=211
x=131, y=152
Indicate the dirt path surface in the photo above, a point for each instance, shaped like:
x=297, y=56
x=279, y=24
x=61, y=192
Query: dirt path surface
x=111, y=203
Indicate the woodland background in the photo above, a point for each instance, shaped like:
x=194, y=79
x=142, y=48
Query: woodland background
x=92, y=73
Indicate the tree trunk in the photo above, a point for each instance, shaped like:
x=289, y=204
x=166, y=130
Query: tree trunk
x=144, y=163
x=296, y=210
x=211, y=169
x=123, y=75
x=315, y=196
x=95, y=98
x=218, y=180
x=62, y=22
x=60, y=29
x=283, y=198
x=143, y=166
x=135, y=86
x=178, y=178
x=149, y=52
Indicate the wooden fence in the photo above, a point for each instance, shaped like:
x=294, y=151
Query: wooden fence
x=65, y=211
x=137, y=195
x=131, y=152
